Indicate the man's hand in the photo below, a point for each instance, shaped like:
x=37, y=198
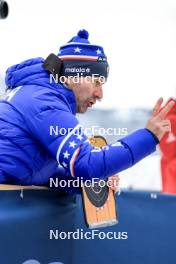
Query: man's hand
x=157, y=124
x=113, y=183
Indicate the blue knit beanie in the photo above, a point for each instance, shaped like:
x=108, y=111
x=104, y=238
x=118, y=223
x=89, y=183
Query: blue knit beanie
x=82, y=58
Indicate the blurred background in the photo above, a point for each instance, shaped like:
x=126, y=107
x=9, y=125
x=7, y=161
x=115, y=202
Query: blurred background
x=139, y=38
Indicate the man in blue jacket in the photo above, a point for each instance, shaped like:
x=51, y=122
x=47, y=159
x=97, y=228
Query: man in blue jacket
x=30, y=154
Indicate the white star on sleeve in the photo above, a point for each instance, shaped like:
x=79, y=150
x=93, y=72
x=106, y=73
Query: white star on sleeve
x=98, y=51
x=66, y=154
x=78, y=50
x=72, y=144
x=79, y=137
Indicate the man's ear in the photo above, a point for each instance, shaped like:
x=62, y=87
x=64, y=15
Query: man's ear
x=69, y=82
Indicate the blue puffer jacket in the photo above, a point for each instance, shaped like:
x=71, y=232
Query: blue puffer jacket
x=40, y=137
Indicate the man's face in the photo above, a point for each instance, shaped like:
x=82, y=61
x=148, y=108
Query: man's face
x=87, y=91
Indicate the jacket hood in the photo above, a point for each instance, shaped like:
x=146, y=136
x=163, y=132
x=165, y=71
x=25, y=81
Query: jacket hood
x=25, y=73
x=31, y=72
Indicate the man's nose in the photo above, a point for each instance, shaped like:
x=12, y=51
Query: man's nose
x=99, y=92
